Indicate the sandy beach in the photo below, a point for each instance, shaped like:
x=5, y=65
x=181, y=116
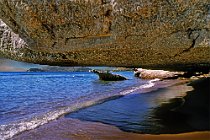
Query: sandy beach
x=74, y=129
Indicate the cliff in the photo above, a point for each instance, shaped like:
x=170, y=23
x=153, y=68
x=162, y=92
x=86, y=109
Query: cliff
x=146, y=33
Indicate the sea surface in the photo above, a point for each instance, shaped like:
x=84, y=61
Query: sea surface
x=31, y=99
x=28, y=100
x=145, y=113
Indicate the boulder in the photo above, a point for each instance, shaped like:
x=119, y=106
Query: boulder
x=35, y=70
x=106, y=76
x=164, y=34
x=153, y=74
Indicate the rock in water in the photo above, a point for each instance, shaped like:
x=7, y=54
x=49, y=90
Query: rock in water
x=106, y=76
x=171, y=34
x=35, y=70
x=152, y=74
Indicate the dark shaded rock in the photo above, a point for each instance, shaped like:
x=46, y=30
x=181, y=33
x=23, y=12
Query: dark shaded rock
x=148, y=33
x=106, y=76
x=35, y=70
x=191, y=110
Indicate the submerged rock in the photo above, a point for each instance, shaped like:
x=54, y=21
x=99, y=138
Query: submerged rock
x=106, y=76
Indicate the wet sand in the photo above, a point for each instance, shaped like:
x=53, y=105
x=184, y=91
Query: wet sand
x=134, y=112
x=73, y=129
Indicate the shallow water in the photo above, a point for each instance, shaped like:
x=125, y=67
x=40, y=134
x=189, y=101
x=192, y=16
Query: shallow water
x=135, y=112
x=28, y=100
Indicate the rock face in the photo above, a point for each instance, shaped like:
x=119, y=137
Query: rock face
x=148, y=33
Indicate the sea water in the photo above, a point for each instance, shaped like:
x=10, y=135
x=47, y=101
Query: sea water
x=28, y=99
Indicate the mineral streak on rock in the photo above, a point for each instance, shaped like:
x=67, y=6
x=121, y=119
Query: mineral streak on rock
x=148, y=33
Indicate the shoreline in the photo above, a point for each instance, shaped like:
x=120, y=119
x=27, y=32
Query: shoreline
x=73, y=129
x=190, y=112
x=65, y=128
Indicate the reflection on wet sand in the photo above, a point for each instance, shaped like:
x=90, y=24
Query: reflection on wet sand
x=72, y=129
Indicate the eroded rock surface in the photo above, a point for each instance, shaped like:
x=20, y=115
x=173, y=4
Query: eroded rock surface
x=147, y=33
x=153, y=74
x=107, y=76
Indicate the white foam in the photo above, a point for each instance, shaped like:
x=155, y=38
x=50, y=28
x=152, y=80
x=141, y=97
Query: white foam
x=147, y=85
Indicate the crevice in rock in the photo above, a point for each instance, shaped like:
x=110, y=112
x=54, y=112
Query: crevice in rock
x=108, y=13
x=49, y=29
x=64, y=56
x=190, y=36
x=107, y=21
x=72, y=38
x=66, y=41
x=55, y=8
x=54, y=44
x=83, y=37
x=192, y=46
x=189, y=31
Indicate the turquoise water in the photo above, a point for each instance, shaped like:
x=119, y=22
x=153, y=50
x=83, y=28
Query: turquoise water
x=28, y=100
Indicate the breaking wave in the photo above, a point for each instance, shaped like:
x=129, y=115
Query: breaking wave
x=9, y=130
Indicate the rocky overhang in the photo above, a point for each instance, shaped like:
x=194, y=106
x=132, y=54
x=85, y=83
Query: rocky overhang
x=163, y=34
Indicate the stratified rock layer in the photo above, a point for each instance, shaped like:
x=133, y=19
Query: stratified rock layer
x=148, y=33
